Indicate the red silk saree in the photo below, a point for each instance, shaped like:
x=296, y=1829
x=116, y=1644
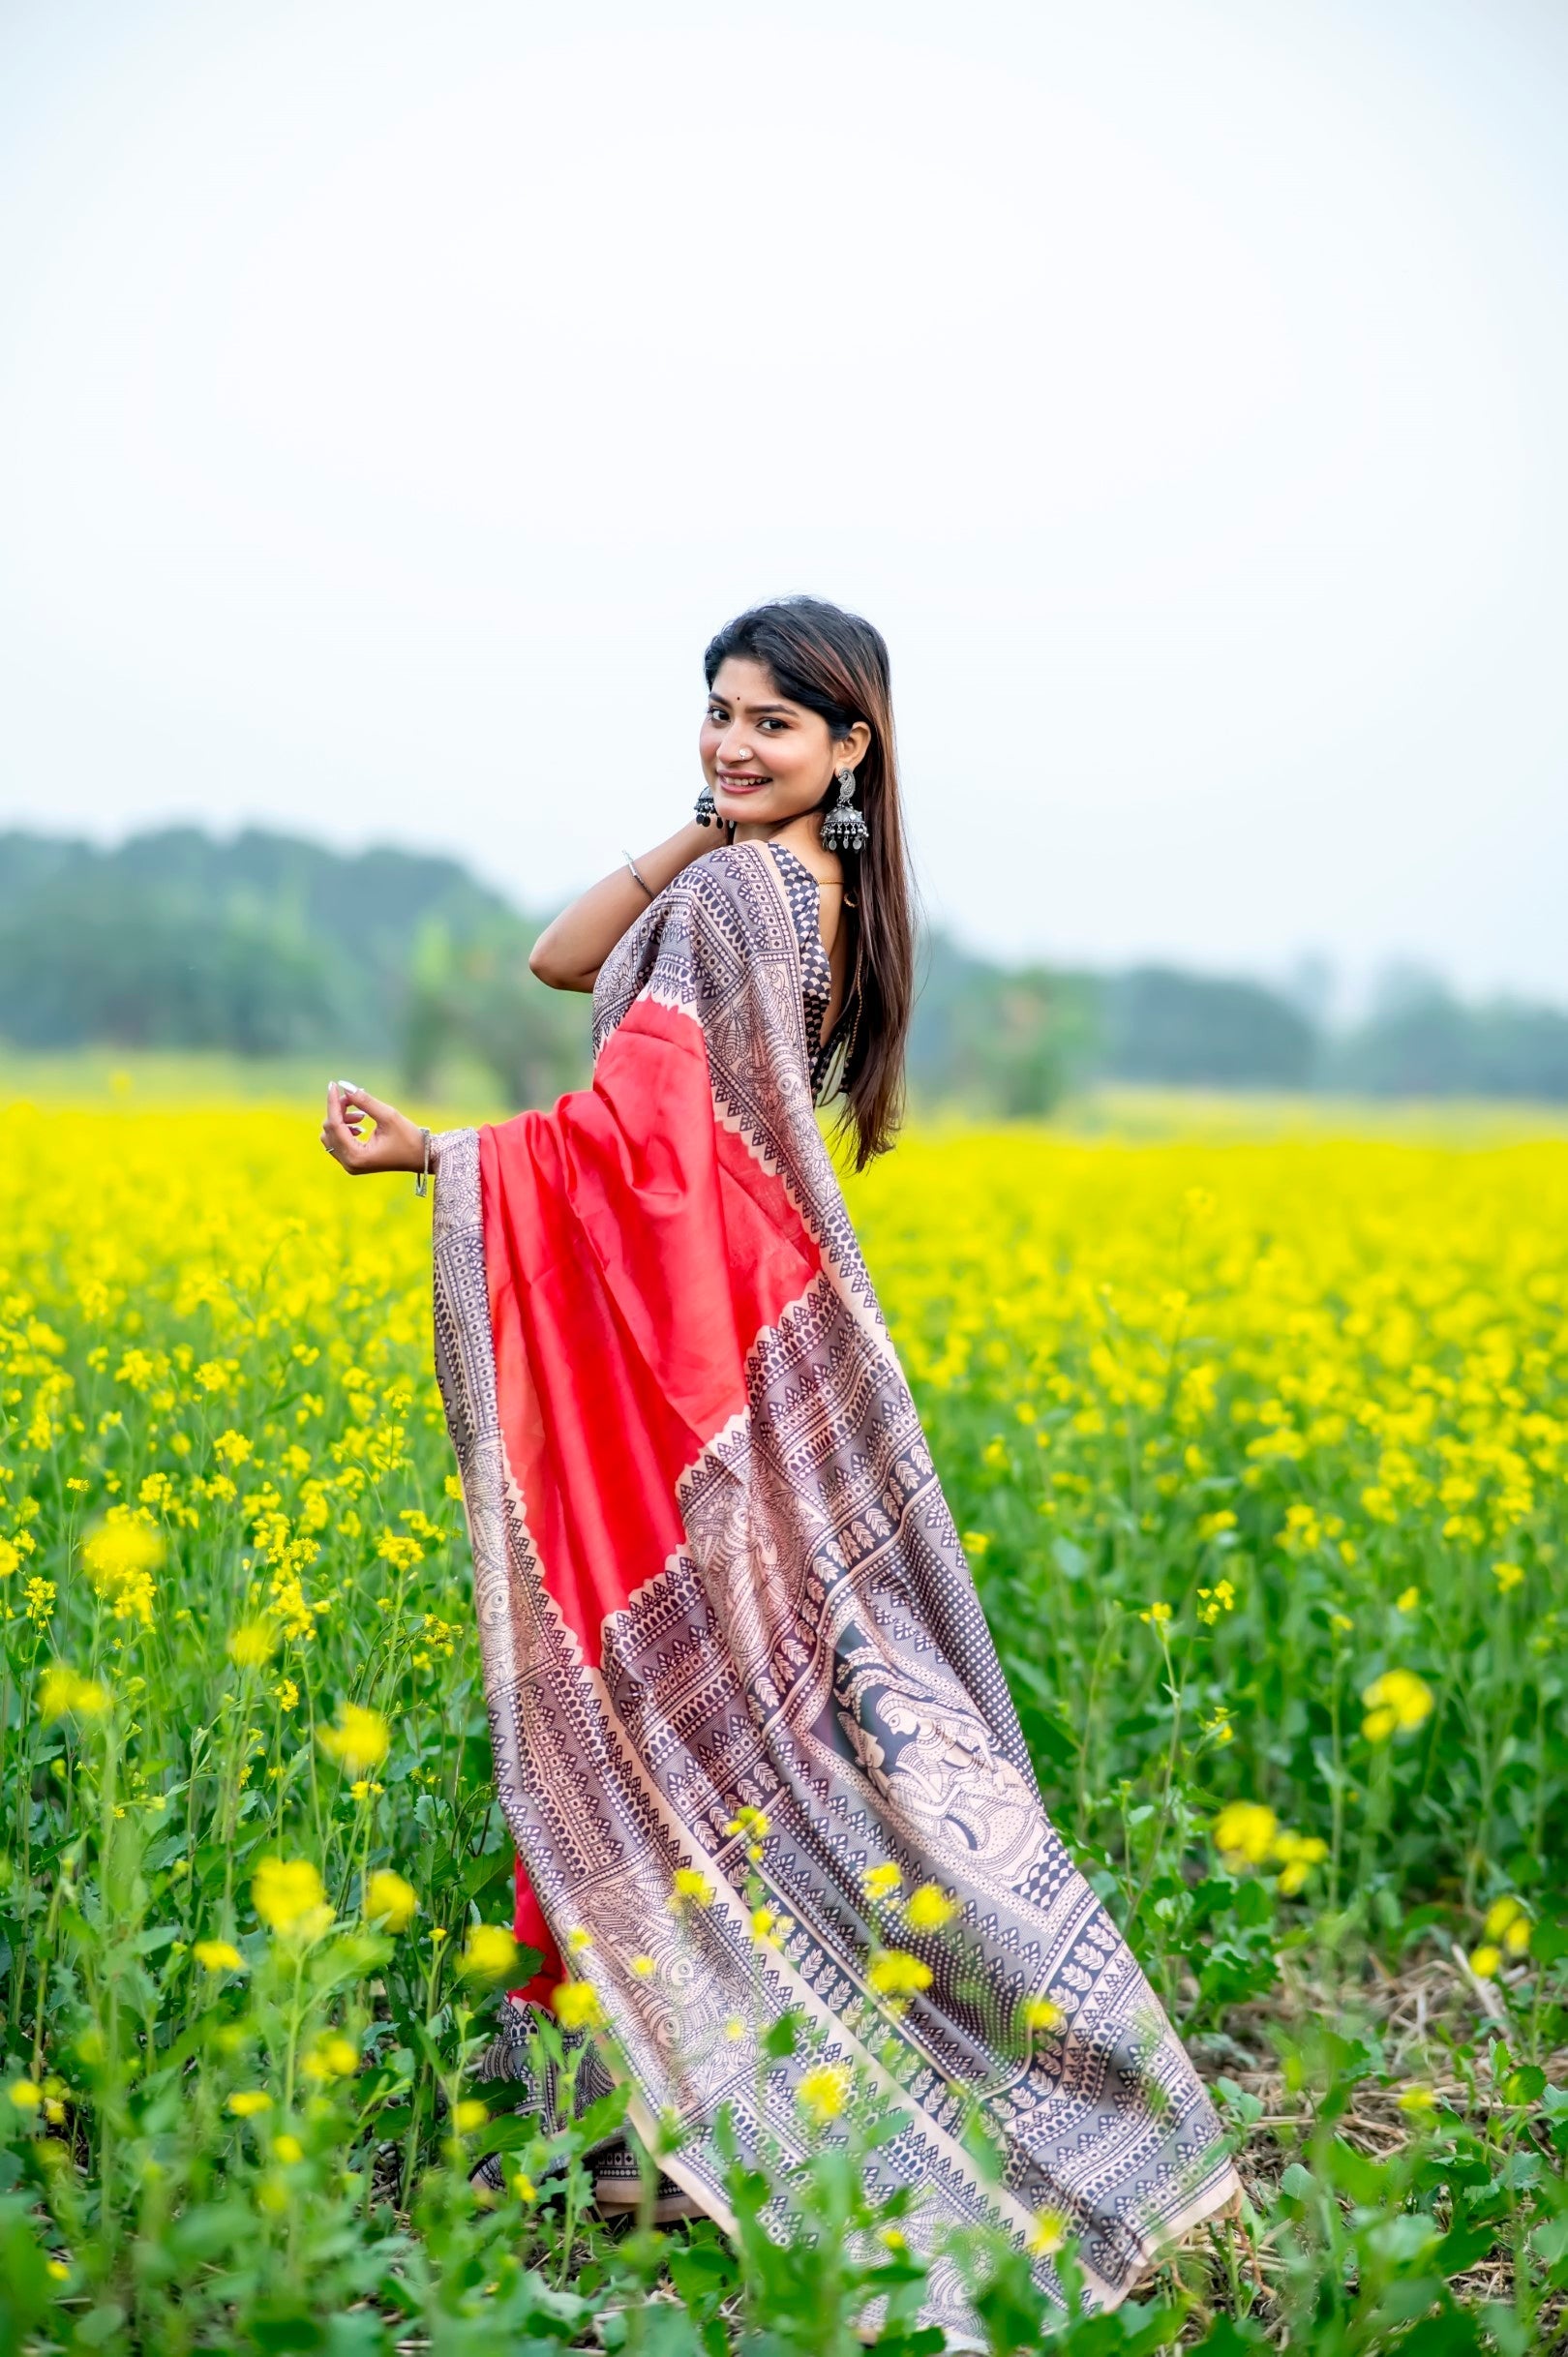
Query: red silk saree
x=714, y=1569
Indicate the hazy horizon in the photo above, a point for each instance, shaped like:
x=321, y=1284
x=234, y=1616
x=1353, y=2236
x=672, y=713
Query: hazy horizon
x=397, y=401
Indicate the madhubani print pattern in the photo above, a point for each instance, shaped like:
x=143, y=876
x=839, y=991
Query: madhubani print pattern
x=814, y=1648
x=816, y=972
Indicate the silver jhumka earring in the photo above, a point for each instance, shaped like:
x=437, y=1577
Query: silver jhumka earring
x=707, y=811
x=844, y=828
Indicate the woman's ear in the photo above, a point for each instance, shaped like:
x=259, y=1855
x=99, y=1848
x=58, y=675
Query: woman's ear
x=850, y=751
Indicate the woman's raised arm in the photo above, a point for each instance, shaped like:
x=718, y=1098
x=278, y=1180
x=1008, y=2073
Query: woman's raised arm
x=570, y=951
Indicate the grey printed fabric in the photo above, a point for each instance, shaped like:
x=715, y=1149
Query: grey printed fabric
x=816, y=973
x=810, y=1646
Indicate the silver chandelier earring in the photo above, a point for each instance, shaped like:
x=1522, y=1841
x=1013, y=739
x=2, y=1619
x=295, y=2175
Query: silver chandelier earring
x=707, y=811
x=844, y=828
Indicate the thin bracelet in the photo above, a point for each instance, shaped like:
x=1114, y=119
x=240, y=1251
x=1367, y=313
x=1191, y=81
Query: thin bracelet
x=638, y=873
x=422, y=1181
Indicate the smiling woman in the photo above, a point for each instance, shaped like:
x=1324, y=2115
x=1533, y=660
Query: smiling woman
x=797, y=747
x=751, y=1734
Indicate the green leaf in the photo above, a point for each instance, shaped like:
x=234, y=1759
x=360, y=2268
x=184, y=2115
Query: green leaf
x=506, y=2132
x=1463, y=2247
x=211, y=2227
x=1230, y=2336
x=148, y=1943
x=702, y=2271
x=1240, y=2106
x=781, y=2038
x=486, y=1873
x=883, y=2130
x=1451, y=2334
x=101, y=2324
x=667, y=2331
x=1352, y=2172
x=1046, y=1737
x=1549, y=1943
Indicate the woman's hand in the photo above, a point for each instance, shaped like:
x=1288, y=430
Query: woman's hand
x=396, y=1143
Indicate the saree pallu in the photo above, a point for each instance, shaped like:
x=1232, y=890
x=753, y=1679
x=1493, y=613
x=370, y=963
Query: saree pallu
x=714, y=1570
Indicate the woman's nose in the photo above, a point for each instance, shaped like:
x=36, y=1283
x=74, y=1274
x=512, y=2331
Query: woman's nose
x=734, y=747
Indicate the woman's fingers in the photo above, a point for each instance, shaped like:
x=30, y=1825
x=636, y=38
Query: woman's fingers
x=363, y=1101
x=341, y=1142
x=385, y=1147
x=345, y=1110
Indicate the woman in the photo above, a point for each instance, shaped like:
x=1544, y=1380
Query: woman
x=727, y=1625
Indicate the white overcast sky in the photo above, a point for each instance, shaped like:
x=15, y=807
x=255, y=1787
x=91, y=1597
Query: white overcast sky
x=393, y=398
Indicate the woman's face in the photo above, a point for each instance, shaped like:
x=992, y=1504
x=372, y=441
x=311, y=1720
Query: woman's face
x=767, y=760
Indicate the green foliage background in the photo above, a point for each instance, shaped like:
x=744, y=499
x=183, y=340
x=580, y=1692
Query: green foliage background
x=267, y=945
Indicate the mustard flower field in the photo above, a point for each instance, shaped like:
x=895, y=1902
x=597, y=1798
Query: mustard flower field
x=1259, y=1451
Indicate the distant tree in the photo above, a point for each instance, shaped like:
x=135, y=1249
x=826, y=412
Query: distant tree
x=1162, y=1025
x=1520, y=1050
x=264, y=942
x=258, y=944
x=1003, y=1041
x=1420, y=1040
x=83, y=965
x=475, y=997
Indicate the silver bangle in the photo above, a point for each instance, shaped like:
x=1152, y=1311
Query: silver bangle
x=638, y=873
x=422, y=1181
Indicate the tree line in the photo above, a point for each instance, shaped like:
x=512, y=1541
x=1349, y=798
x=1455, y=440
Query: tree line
x=264, y=943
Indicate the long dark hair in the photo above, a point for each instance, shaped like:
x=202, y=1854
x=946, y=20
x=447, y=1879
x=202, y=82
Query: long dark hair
x=837, y=665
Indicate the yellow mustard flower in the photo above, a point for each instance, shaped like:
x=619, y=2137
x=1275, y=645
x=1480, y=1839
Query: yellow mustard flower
x=1397, y=1700
x=360, y=1739
x=1243, y=1832
x=1049, y=2234
x=488, y=1952
x=287, y=1895
x=577, y=2005
x=930, y=1908
x=253, y=1644
x=62, y=1692
x=218, y=1956
x=389, y=1900
x=824, y=2092
x=896, y=1974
